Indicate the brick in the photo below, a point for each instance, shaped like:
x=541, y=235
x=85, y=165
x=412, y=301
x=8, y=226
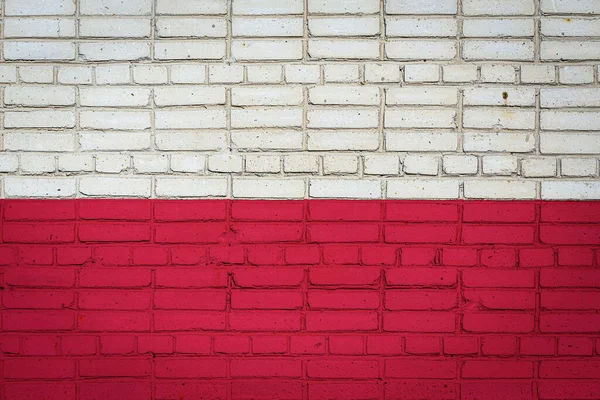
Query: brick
x=39, y=277
x=253, y=277
x=109, y=232
x=266, y=368
x=117, y=344
x=155, y=344
x=499, y=346
x=344, y=276
x=113, y=321
x=531, y=345
x=350, y=369
x=232, y=344
x=40, y=368
x=266, y=389
x=388, y=345
x=261, y=321
x=115, y=367
x=570, y=234
x=40, y=345
x=422, y=388
x=269, y=344
x=266, y=299
x=536, y=257
x=322, y=391
x=459, y=256
x=420, y=300
x=419, y=256
x=460, y=345
x=341, y=321
x=169, y=390
x=420, y=233
x=421, y=277
x=340, y=254
x=575, y=346
x=500, y=234
x=78, y=345
x=38, y=233
x=497, y=390
x=498, y=323
x=498, y=258
x=423, y=345
x=422, y=369
x=501, y=300
x=429, y=322
x=568, y=323
x=569, y=278
x=340, y=299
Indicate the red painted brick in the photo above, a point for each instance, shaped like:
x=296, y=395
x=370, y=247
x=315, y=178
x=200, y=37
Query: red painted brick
x=38, y=299
x=307, y=345
x=536, y=257
x=498, y=279
x=117, y=345
x=571, y=211
x=497, y=369
x=209, y=232
x=346, y=345
x=114, y=367
x=40, y=345
x=420, y=368
x=569, y=369
x=387, y=345
x=36, y=256
x=267, y=232
x=496, y=390
x=266, y=389
x=342, y=232
x=150, y=256
x=423, y=345
x=575, y=256
x=506, y=322
x=498, y=211
x=36, y=391
x=39, y=210
x=419, y=256
x=124, y=321
x=258, y=210
x=348, y=369
x=575, y=346
x=417, y=211
x=113, y=300
x=340, y=254
x=335, y=210
x=191, y=390
x=570, y=278
x=352, y=321
x=39, y=368
x=8, y=256
x=190, y=278
x=232, y=344
x=420, y=300
x=572, y=300
x=498, y=258
x=344, y=299
x=40, y=277
x=106, y=209
x=192, y=344
x=190, y=210
x=426, y=322
x=188, y=320
x=355, y=390
x=73, y=255
x=302, y=255
x=265, y=255
x=269, y=344
x=344, y=276
x=79, y=345
x=109, y=232
x=225, y=255
x=264, y=321
x=568, y=389
x=379, y=255
x=420, y=233
x=115, y=277
x=570, y=234
x=266, y=299
x=10, y=344
x=501, y=299
x=537, y=346
x=133, y=390
x=38, y=233
x=460, y=345
x=569, y=323
x=112, y=255
x=420, y=389
x=267, y=277
x=497, y=234
x=266, y=368
x=459, y=256
x=155, y=344
x=189, y=300
x=428, y=277
x=498, y=345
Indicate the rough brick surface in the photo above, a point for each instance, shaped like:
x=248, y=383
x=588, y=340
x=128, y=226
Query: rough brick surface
x=299, y=300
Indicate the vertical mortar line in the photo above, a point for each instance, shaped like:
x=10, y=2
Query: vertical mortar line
x=229, y=22
x=382, y=36
x=537, y=31
x=305, y=54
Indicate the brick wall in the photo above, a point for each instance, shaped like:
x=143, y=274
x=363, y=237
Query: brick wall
x=439, y=99
x=319, y=299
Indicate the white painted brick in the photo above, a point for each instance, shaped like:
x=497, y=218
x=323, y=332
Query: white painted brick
x=16, y=186
x=341, y=73
x=225, y=73
x=151, y=163
x=290, y=188
x=460, y=165
x=114, y=141
x=343, y=118
x=115, y=7
x=570, y=120
x=75, y=75
x=459, y=73
x=421, y=50
x=33, y=163
x=381, y=73
x=576, y=74
x=114, y=28
x=579, y=166
x=420, y=141
x=149, y=74
x=114, y=51
x=538, y=74
x=190, y=119
x=381, y=164
x=114, y=74
x=538, y=167
x=114, y=96
x=569, y=97
x=505, y=7
x=343, y=49
x=570, y=7
x=569, y=143
x=191, y=27
x=566, y=27
x=302, y=73
x=266, y=49
x=571, y=50
x=39, y=7
x=263, y=163
x=39, y=27
x=343, y=140
x=497, y=73
x=498, y=27
x=201, y=50
x=189, y=95
x=122, y=120
x=422, y=189
x=499, y=118
x=266, y=117
x=188, y=7
x=345, y=188
x=39, y=119
x=344, y=95
x=8, y=74
x=39, y=141
x=340, y=164
x=258, y=7
x=421, y=7
x=495, y=96
x=519, y=50
x=301, y=163
x=267, y=140
x=499, y=142
x=419, y=118
x=188, y=163
x=225, y=163
x=335, y=26
x=571, y=190
x=191, y=141
x=420, y=27
x=425, y=95
x=34, y=74
x=188, y=73
x=125, y=186
x=421, y=73
x=39, y=51
x=264, y=73
x=343, y=7
x=267, y=26
x=422, y=165
x=499, y=165
x=112, y=163
x=8, y=162
x=499, y=189
x=191, y=187
x=75, y=163
x=39, y=96
x=266, y=95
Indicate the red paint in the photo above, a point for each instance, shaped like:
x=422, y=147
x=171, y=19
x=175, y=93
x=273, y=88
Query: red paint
x=323, y=299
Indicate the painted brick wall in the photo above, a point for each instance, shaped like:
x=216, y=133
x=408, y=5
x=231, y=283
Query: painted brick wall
x=310, y=299
x=375, y=99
